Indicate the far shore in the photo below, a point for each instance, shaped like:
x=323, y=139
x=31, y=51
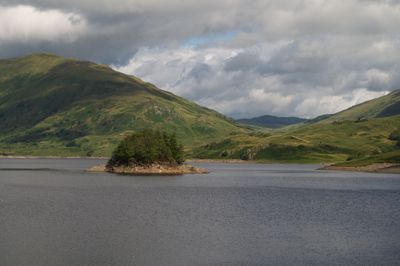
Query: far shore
x=227, y=161
x=106, y=158
x=390, y=168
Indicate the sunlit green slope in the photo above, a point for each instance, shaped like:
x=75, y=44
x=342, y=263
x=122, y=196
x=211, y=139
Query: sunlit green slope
x=364, y=132
x=388, y=105
x=50, y=105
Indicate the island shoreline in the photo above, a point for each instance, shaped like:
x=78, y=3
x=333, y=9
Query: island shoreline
x=154, y=169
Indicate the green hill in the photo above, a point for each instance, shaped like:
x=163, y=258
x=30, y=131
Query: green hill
x=388, y=105
x=363, y=133
x=50, y=105
x=320, y=142
x=270, y=121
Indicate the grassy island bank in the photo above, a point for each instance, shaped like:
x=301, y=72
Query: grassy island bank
x=155, y=169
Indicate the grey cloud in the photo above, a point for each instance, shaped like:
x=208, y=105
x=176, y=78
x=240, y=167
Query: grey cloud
x=244, y=61
x=200, y=72
x=136, y=23
x=117, y=30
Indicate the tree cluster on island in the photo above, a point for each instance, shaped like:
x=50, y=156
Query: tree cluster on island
x=146, y=148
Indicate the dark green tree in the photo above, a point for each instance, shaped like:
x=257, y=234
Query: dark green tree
x=176, y=149
x=147, y=147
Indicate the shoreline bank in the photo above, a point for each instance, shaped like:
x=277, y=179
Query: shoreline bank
x=390, y=168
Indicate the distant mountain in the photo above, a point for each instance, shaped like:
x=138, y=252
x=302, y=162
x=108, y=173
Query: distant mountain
x=50, y=105
x=385, y=106
x=319, y=118
x=272, y=121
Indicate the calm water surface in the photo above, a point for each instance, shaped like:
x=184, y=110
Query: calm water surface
x=53, y=213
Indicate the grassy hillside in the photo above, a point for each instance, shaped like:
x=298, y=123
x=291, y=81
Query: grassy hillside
x=364, y=133
x=385, y=106
x=320, y=142
x=50, y=105
x=270, y=121
x=387, y=157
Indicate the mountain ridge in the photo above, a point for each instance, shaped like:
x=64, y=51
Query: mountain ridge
x=270, y=121
x=62, y=105
x=384, y=106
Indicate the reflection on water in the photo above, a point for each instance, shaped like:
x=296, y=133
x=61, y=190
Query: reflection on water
x=54, y=213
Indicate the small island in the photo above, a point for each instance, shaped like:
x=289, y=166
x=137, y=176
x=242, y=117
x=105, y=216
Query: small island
x=148, y=152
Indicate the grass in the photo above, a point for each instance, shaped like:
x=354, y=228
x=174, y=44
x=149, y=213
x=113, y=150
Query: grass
x=388, y=157
x=387, y=105
x=320, y=142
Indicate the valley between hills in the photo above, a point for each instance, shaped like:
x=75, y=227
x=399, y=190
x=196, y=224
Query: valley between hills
x=55, y=106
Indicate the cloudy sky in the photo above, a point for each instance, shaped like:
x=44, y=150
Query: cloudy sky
x=241, y=57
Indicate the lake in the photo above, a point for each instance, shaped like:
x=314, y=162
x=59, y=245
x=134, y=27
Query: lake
x=54, y=213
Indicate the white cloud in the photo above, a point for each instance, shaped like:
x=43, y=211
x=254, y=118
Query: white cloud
x=28, y=24
x=169, y=68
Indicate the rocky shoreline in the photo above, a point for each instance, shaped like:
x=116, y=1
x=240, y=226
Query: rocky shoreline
x=155, y=169
x=393, y=168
